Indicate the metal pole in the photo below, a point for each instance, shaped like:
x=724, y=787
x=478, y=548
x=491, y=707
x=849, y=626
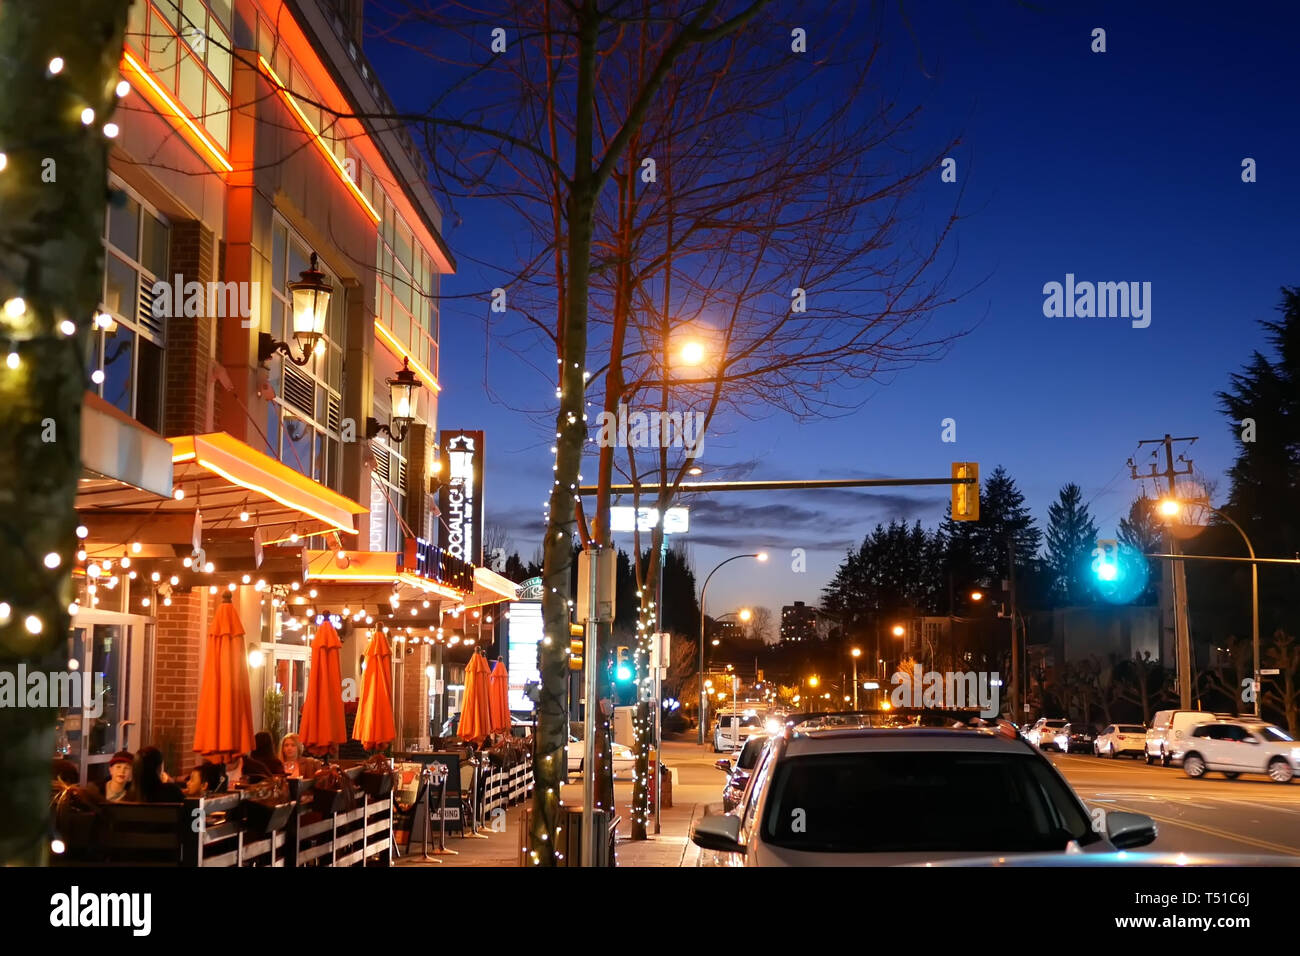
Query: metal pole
x=1254, y=600
x=658, y=687
x=703, y=591
x=855, y=683
x=1016, y=710
x=590, y=705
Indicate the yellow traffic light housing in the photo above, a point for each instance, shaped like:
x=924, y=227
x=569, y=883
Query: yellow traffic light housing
x=965, y=491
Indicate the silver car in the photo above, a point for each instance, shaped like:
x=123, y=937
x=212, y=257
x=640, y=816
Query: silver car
x=891, y=797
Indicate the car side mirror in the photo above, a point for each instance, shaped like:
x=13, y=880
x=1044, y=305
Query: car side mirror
x=719, y=832
x=724, y=765
x=1127, y=831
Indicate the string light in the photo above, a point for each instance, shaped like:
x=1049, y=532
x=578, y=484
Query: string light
x=53, y=560
x=56, y=66
x=12, y=360
x=87, y=116
x=33, y=624
x=123, y=88
x=111, y=131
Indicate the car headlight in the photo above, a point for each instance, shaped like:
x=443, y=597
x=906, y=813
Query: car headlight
x=773, y=726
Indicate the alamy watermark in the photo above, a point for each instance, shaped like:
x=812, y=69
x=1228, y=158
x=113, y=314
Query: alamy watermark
x=1101, y=300
x=65, y=690
x=221, y=300
x=946, y=689
x=651, y=430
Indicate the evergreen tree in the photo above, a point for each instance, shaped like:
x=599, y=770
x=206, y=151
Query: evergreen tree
x=1071, y=537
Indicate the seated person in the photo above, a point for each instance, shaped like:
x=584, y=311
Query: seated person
x=66, y=773
x=118, y=784
x=264, y=754
x=207, y=778
x=150, y=783
x=295, y=762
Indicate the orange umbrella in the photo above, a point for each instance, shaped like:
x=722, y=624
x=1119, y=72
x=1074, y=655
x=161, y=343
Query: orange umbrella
x=499, y=699
x=322, y=712
x=374, y=723
x=476, y=713
x=225, y=721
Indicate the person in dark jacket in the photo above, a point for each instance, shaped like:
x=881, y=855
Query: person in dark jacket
x=207, y=778
x=150, y=781
x=264, y=754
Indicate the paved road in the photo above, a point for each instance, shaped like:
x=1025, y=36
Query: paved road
x=1213, y=814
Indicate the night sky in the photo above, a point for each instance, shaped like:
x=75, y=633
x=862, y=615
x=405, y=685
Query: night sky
x=1122, y=166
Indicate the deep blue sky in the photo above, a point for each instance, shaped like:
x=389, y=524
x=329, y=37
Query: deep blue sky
x=1122, y=166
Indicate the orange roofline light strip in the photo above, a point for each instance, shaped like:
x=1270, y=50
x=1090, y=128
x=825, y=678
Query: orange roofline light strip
x=315, y=135
x=403, y=352
x=162, y=101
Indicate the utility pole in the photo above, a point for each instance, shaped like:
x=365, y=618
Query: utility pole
x=1016, y=714
x=1173, y=577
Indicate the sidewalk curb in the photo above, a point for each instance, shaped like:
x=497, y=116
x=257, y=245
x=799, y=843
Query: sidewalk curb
x=688, y=846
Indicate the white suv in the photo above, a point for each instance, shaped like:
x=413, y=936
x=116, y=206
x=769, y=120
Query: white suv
x=1234, y=747
x=862, y=797
x=1044, y=732
x=1170, y=729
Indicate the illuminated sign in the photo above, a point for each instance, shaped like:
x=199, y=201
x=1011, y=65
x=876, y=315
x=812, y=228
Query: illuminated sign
x=460, y=500
x=676, y=520
x=524, y=637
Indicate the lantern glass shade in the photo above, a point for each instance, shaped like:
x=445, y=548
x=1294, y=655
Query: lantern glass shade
x=311, y=303
x=401, y=394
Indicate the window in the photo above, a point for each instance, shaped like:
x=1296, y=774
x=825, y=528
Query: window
x=186, y=45
x=126, y=349
x=406, y=287
x=387, y=497
x=1275, y=735
x=305, y=421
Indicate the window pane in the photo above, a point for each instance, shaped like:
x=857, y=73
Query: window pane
x=299, y=259
x=221, y=9
x=135, y=22
x=335, y=374
x=277, y=259
x=298, y=436
x=92, y=360
x=119, y=296
x=148, y=396
x=119, y=356
x=277, y=319
x=162, y=50
x=195, y=13
x=333, y=455
x=318, y=457
x=218, y=119
x=124, y=227
x=153, y=246
x=273, y=430
x=191, y=85
x=219, y=56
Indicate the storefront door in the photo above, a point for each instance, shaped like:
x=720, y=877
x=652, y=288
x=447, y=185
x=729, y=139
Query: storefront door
x=108, y=650
x=290, y=665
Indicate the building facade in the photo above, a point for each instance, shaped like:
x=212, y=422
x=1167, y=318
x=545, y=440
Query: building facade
x=798, y=623
x=231, y=446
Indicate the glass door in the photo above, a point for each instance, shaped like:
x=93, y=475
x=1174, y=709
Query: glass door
x=104, y=706
x=289, y=682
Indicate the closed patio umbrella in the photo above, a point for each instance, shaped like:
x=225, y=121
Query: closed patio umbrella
x=476, y=713
x=374, y=724
x=225, y=720
x=322, y=711
x=499, y=705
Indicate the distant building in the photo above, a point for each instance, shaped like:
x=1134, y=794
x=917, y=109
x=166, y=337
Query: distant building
x=798, y=623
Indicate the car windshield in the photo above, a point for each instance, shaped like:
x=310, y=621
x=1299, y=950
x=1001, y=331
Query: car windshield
x=1054, y=724
x=1131, y=729
x=930, y=801
x=1275, y=734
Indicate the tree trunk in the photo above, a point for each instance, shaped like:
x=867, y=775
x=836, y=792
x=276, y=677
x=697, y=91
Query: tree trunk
x=570, y=431
x=51, y=258
x=650, y=618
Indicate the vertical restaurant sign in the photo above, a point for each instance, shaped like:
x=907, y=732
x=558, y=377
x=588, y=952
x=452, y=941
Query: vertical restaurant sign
x=460, y=499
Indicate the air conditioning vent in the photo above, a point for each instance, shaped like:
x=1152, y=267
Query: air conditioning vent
x=299, y=391
x=334, y=416
x=381, y=461
x=144, y=316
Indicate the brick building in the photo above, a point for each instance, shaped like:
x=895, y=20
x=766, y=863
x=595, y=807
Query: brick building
x=232, y=447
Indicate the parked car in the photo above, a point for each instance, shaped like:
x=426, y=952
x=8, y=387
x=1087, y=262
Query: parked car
x=1234, y=747
x=1169, y=729
x=624, y=759
x=727, y=740
x=815, y=800
x=1043, y=733
x=1117, y=739
x=739, y=770
x=1076, y=738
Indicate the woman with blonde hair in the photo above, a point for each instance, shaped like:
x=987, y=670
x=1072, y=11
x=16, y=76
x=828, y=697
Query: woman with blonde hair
x=296, y=762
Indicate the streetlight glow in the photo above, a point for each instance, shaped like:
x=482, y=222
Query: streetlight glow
x=899, y=630
x=1169, y=507
x=692, y=353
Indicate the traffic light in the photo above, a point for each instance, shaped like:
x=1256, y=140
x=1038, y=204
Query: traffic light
x=1105, y=560
x=623, y=663
x=966, y=497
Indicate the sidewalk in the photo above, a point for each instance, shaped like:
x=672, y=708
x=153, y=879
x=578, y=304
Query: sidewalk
x=671, y=847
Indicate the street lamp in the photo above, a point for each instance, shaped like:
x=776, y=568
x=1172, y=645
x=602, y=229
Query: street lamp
x=855, y=653
x=1170, y=507
x=977, y=596
x=310, y=304
x=757, y=555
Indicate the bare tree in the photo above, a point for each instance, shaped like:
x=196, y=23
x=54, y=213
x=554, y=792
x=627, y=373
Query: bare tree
x=1285, y=656
x=760, y=625
x=51, y=261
